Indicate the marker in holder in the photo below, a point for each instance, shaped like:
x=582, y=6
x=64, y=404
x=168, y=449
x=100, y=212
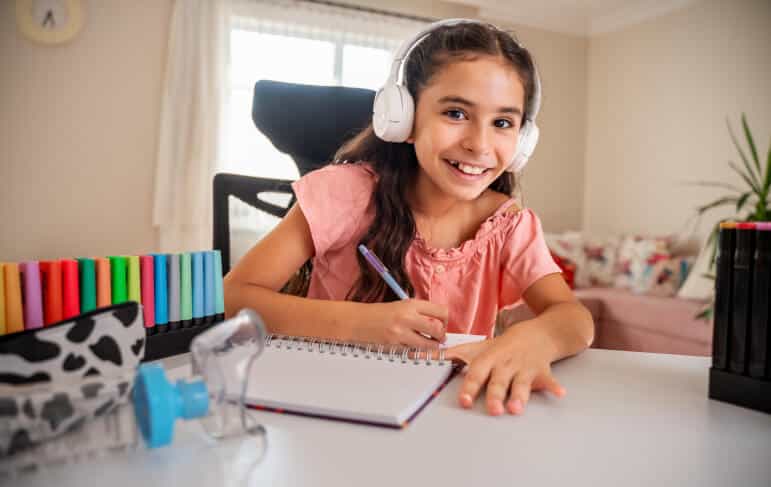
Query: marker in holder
x=147, y=270
x=174, y=294
x=14, y=311
x=33, y=302
x=134, y=279
x=118, y=272
x=70, y=289
x=219, y=296
x=161, y=293
x=744, y=264
x=208, y=290
x=103, y=282
x=186, y=289
x=87, y=284
x=2, y=300
x=51, y=283
x=198, y=292
x=741, y=365
x=758, y=350
x=723, y=294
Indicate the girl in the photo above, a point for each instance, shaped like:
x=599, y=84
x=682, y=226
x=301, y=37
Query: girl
x=437, y=209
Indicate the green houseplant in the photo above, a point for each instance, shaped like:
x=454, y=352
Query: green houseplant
x=751, y=201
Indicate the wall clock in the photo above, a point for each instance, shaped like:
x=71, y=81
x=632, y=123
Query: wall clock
x=49, y=21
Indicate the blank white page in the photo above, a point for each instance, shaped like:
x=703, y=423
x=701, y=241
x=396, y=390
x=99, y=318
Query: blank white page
x=347, y=387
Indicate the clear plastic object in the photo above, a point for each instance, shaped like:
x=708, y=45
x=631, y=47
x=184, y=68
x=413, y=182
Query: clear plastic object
x=109, y=421
x=218, y=354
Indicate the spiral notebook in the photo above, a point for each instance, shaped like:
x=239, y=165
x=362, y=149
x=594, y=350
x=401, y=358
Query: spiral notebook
x=368, y=384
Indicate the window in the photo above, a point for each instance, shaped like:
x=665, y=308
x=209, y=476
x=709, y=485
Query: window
x=365, y=67
x=299, y=42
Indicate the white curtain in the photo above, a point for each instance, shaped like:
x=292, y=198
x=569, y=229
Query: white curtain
x=190, y=125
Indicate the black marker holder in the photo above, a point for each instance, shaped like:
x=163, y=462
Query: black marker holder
x=175, y=341
x=728, y=382
x=739, y=389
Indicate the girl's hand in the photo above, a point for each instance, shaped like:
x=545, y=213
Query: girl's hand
x=410, y=322
x=512, y=365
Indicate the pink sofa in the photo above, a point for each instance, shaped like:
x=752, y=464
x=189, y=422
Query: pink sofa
x=627, y=321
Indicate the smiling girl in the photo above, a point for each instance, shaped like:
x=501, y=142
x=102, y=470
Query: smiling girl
x=430, y=192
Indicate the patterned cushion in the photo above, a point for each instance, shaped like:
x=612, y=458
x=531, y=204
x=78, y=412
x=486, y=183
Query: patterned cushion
x=644, y=265
x=664, y=277
x=568, y=245
x=600, y=262
x=636, y=257
x=594, y=258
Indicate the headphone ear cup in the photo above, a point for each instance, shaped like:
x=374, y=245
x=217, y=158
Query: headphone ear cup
x=526, y=142
x=392, y=113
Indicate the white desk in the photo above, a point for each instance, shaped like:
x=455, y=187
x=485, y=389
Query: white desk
x=628, y=419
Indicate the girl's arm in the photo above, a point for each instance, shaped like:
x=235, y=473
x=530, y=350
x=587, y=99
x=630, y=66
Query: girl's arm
x=560, y=316
x=519, y=361
x=255, y=280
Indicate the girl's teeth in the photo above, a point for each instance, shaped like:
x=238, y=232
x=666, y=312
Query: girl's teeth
x=467, y=169
x=470, y=169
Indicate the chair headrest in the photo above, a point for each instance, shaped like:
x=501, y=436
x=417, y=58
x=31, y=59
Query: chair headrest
x=308, y=122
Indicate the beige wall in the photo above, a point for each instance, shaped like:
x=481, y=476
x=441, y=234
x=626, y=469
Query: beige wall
x=80, y=130
x=659, y=94
x=553, y=179
x=627, y=117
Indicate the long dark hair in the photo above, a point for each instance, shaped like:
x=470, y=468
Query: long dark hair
x=396, y=164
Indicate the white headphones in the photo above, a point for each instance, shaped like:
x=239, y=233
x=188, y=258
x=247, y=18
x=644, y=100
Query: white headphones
x=394, y=108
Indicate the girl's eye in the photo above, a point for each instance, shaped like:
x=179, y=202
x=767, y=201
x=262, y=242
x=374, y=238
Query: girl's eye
x=455, y=114
x=502, y=123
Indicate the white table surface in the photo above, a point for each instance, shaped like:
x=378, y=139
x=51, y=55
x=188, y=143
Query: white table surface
x=628, y=419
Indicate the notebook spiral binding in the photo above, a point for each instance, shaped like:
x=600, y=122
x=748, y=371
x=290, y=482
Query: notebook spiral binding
x=392, y=353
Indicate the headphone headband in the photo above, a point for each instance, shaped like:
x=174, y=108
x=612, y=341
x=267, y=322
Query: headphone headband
x=406, y=47
x=533, y=105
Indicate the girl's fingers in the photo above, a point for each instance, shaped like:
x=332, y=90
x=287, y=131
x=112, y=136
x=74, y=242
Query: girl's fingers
x=547, y=382
x=476, y=376
x=414, y=339
x=467, y=352
x=520, y=393
x=430, y=327
x=438, y=311
x=497, y=387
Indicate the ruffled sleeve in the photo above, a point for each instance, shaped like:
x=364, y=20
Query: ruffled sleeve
x=525, y=257
x=334, y=200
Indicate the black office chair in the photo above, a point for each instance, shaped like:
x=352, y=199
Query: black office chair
x=309, y=123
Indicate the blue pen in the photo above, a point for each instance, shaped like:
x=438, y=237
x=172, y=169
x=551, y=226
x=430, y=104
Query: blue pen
x=381, y=269
x=198, y=292
x=219, y=301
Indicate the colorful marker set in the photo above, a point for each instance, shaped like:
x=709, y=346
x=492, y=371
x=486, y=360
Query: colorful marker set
x=175, y=290
x=741, y=346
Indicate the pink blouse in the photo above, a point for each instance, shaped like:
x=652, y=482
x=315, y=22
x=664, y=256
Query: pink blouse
x=475, y=280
